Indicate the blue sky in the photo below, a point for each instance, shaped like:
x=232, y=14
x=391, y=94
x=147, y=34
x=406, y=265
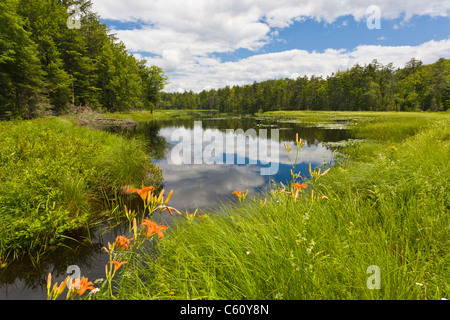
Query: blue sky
x=347, y=33
x=203, y=44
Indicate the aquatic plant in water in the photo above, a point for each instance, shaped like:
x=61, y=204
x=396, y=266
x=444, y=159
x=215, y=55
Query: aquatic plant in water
x=123, y=250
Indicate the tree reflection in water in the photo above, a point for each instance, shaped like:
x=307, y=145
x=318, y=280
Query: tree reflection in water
x=195, y=186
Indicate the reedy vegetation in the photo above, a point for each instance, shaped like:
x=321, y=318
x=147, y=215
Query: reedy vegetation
x=386, y=203
x=121, y=251
x=54, y=175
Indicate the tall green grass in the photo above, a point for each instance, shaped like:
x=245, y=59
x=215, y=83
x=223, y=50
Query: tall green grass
x=52, y=175
x=137, y=116
x=389, y=206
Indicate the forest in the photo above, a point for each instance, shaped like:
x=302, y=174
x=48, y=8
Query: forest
x=49, y=64
x=373, y=87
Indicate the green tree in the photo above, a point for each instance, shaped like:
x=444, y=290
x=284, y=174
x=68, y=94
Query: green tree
x=438, y=90
x=45, y=20
x=21, y=76
x=153, y=80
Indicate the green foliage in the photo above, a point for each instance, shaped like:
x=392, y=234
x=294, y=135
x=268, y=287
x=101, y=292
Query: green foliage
x=389, y=209
x=46, y=66
x=52, y=172
x=20, y=71
x=373, y=87
x=153, y=80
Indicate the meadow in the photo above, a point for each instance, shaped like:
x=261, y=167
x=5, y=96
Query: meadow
x=135, y=116
x=54, y=178
x=385, y=204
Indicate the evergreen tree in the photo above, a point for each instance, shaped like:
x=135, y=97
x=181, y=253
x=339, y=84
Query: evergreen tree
x=21, y=77
x=47, y=61
x=372, y=87
x=153, y=81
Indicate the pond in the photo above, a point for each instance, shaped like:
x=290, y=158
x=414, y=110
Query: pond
x=203, y=161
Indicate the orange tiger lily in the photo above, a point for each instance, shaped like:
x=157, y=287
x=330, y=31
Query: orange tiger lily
x=122, y=242
x=82, y=285
x=299, y=186
x=142, y=192
x=117, y=264
x=153, y=228
x=240, y=194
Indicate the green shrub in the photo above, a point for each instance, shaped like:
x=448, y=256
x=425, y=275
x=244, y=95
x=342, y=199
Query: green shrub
x=51, y=174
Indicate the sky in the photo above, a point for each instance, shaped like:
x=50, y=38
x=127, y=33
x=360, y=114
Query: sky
x=205, y=44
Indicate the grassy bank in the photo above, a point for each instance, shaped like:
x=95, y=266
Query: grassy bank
x=315, y=116
x=387, y=126
x=53, y=174
x=388, y=206
x=137, y=116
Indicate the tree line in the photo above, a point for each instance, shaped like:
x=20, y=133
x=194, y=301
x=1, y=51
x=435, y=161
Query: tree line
x=373, y=87
x=47, y=64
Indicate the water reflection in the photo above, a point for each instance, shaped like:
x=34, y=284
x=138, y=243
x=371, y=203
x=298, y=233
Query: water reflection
x=195, y=186
x=207, y=185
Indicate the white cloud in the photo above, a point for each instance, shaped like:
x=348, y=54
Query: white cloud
x=203, y=26
x=209, y=72
x=194, y=15
x=183, y=35
x=192, y=186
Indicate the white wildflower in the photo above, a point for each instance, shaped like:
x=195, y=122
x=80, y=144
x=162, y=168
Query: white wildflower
x=279, y=296
x=94, y=291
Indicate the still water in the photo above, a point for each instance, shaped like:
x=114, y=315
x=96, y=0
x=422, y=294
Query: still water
x=203, y=168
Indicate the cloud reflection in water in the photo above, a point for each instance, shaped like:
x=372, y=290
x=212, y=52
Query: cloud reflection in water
x=207, y=185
